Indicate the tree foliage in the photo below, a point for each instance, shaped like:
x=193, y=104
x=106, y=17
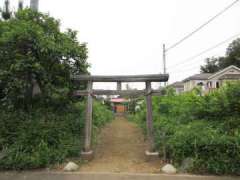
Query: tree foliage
x=232, y=57
x=34, y=53
x=44, y=137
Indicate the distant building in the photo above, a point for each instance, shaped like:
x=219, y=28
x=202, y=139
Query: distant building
x=178, y=87
x=211, y=81
x=196, y=80
x=119, y=105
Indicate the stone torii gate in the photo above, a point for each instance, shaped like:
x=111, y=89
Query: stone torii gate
x=87, y=152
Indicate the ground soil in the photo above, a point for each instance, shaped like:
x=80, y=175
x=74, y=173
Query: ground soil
x=121, y=148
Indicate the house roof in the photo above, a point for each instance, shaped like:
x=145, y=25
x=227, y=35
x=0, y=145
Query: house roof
x=206, y=76
x=202, y=76
x=224, y=70
x=177, y=84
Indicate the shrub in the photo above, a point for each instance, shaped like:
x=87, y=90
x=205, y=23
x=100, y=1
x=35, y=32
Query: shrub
x=210, y=150
x=39, y=138
x=101, y=114
x=203, y=128
x=44, y=137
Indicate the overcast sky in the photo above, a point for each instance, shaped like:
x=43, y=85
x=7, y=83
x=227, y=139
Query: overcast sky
x=126, y=36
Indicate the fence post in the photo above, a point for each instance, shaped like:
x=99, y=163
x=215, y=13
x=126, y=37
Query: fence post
x=87, y=152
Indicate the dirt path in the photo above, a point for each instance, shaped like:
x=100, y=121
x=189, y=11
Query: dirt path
x=121, y=148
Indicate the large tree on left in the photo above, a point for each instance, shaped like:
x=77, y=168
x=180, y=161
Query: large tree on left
x=35, y=53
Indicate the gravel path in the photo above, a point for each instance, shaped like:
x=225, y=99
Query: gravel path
x=121, y=148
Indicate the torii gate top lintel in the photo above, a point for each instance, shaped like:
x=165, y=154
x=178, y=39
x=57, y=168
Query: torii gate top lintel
x=123, y=78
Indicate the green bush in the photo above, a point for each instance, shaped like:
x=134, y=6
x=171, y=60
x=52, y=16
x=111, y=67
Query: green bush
x=39, y=138
x=211, y=150
x=101, y=114
x=205, y=129
x=45, y=137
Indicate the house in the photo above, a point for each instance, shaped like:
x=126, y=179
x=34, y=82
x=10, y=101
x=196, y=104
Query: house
x=178, y=87
x=211, y=81
x=196, y=80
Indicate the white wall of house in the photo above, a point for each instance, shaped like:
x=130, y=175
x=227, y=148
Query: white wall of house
x=179, y=90
x=189, y=85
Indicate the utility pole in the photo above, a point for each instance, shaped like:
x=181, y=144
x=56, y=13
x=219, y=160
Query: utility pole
x=164, y=62
x=34, y=5
x=20, y=4
x=6, y=13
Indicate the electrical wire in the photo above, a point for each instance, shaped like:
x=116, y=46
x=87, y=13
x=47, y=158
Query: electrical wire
x=186, y=70
x=203, y=52
x=202, y=26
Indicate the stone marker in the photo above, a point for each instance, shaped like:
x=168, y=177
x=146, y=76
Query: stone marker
x=71, y=166
x=169, y=169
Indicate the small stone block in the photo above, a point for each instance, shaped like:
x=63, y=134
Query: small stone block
x=151, y=156
x=71, y=166
x=169, y=169
x=87, y=156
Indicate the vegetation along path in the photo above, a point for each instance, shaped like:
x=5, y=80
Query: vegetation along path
x=121, y=148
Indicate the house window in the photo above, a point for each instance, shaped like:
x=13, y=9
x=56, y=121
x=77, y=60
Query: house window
x=217, y=85
x=210, y=84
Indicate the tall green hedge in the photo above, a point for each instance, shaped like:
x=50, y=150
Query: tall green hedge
x=205, y=129
x=44, y=136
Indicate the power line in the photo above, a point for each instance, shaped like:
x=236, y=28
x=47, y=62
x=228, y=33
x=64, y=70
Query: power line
x=202, y=26
x=186, y=70
x=190, y=68
x=203, y=52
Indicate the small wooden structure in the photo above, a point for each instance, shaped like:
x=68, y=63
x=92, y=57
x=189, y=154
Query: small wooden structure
x=119, y=105
x=87, y=152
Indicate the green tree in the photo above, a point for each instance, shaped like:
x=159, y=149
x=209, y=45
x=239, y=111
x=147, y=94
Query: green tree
x=232, y=57
x=211, y=65
x=35, y=54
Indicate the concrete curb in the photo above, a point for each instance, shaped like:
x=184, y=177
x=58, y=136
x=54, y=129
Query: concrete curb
x=51, y=175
